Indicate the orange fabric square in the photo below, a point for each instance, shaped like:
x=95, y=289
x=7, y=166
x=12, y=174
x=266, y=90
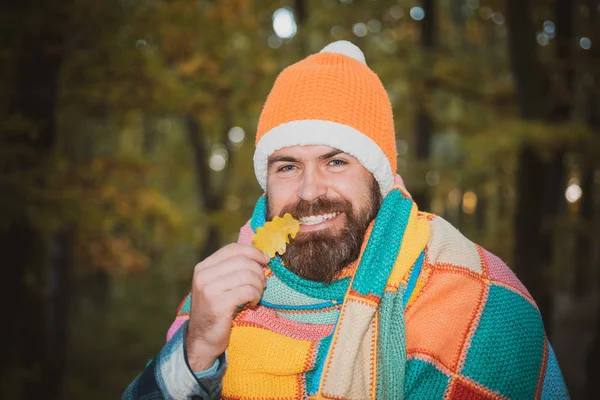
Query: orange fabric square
x=439, y=321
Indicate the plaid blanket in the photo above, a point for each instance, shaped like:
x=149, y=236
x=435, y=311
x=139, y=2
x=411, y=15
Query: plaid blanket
x=427, y=314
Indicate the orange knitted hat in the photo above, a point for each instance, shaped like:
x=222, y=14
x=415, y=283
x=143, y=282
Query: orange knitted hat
x=331, y=98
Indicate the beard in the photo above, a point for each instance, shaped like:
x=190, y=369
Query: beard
x=319, y=256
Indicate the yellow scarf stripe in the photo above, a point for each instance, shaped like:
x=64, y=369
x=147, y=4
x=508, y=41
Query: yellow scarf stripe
x=413, y=243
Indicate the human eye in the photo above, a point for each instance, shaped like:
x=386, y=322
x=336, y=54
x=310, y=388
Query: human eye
x=286, y=168
x=337, y=162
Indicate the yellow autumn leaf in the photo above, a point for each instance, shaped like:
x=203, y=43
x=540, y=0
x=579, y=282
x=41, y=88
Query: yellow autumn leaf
x=274, y=236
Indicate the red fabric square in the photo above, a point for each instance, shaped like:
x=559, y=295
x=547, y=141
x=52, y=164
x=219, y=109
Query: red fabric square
x=465, y=391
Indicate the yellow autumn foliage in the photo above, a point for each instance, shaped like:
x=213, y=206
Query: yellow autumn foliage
x=275, y=235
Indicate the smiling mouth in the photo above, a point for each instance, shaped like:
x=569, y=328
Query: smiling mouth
x=317, y=219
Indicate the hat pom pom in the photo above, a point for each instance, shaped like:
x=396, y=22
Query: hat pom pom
x=346, y=48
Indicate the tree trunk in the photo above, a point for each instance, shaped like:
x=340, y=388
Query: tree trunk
x=301, y=16
x=206, y=198
x=592, y=388
x=58, y=307
x=211, y=196
x=528, y=73
x=212, y=242
x=528, y=229
x=22, y=248
x=539, y=183
x=586, y=245
x=424, y=120
x=554, y=171
x=458, y=18
x=22, y=244
x=583, y=253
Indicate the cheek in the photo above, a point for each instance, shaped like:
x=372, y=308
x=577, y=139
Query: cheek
x=350, y=188
x=279, y=196
x=357, y=191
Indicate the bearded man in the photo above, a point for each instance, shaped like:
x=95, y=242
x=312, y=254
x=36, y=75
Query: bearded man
x=372, y=299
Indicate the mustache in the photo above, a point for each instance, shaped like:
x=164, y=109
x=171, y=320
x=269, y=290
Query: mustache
x=303, y=208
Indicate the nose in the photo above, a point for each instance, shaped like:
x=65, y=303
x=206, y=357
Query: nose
x=312, y=186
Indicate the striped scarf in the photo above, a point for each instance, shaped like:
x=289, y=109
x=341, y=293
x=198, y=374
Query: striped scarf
x=344, y=340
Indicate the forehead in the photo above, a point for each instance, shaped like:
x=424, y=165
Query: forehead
x=303, y=152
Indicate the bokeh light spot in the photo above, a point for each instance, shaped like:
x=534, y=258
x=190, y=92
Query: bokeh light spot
x=549, y=28
x=374, y=25
x=454, y=197
x=236, y=134
x=473, y=4
x=284, y=24
x=467, y=11
x=498, y=18
x=232, y=202
x=432, y=178
x=469, y=202
x=337, y=32
x=396, y=12
x=275, y=42
x=360, y=29
x=401, y=147
x=417, y=13
x=573, y=193
x=585, y=43
x=543, y=39
x=486, y=12
x=218, y=158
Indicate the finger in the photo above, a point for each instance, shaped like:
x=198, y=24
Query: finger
x=241, y=277
x=233, y=250
x=228, y=268
x=236, y=249
x=241, y=295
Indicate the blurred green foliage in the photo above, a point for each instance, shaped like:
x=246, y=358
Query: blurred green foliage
x=141, y=79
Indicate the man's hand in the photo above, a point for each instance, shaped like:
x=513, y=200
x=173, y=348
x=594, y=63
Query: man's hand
x=231, y=277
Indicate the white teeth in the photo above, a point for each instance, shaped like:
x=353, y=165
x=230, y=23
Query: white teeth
x=317, y=219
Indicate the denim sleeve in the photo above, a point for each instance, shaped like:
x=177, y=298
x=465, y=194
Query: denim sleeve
x=169, y=375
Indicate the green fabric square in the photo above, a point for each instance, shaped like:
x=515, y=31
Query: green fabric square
x=424, y=381
x=506, y=351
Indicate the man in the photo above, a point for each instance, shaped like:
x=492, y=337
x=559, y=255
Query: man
x=372, y=299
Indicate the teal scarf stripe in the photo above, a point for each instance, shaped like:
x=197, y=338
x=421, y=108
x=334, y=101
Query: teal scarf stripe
x=319, y=306
x=384, y=244
x=259, y=215
x=314, y=317
x=277, y=292
x=391, y=349
x=335, y=290
x=412, y=280
x=313, y=377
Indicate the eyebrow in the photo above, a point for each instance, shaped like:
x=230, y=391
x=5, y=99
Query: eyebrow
x=332, y=153
x=273, y=160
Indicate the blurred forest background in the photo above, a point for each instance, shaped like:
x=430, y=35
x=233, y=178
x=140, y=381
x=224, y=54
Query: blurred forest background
x=127, y=131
